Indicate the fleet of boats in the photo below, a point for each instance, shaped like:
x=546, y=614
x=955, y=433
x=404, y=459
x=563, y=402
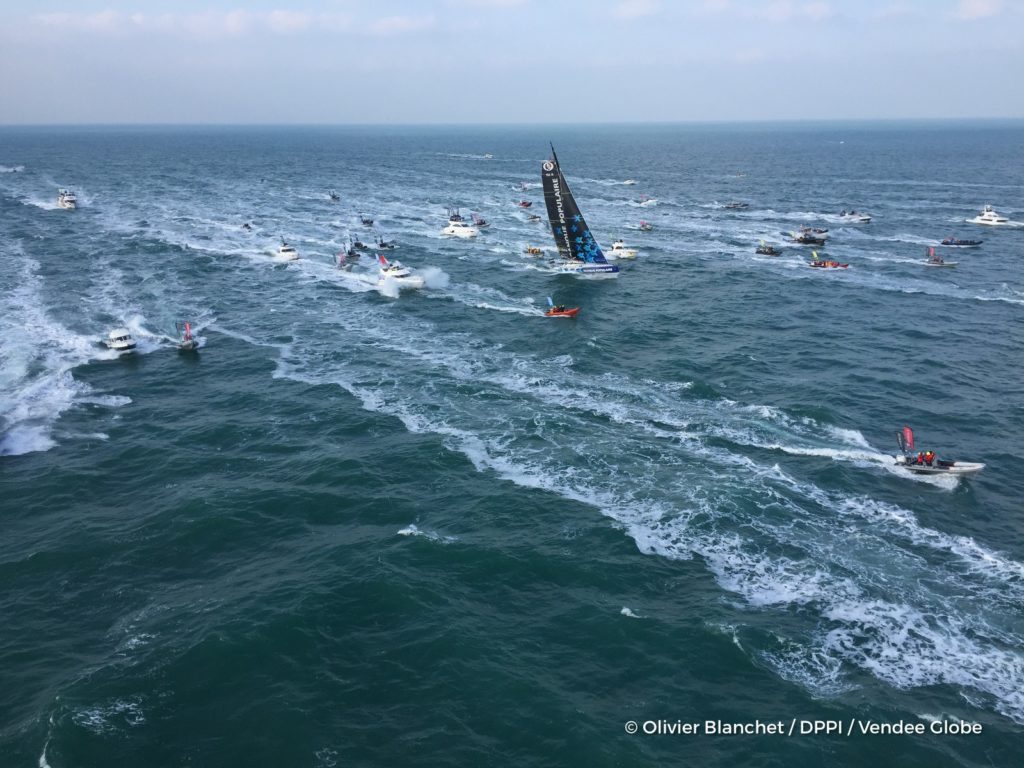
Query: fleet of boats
x=580, y=254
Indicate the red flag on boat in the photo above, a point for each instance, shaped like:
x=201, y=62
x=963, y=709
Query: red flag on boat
x=908, y=439
x=382, y=260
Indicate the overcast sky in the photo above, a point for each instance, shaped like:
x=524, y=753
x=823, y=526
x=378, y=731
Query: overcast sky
x=500, y=61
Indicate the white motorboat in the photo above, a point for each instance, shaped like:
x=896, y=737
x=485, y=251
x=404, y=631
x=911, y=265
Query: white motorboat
x=187, y=342
x=286, y=252
x=629, y=182
x=989, y=217
x=927, y=463
x=399, y=274
x=937, y=467
x=66, y=198
x=934, y=260
x=620, y=251
x=460, y=229
x=120, y=340
x=854, y=217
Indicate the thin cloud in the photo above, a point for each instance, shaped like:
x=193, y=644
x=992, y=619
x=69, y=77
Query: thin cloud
x=208, y=25
x=633, y=9
x=778, y=11
x=400, y=25
x=969, y=10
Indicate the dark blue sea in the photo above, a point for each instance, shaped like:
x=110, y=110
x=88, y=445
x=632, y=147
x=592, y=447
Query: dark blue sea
x=364, y=526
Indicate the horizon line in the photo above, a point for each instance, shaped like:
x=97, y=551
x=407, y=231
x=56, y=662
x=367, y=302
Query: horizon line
x=496, y=124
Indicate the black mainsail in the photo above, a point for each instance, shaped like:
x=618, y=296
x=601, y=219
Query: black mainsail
x=572, y=235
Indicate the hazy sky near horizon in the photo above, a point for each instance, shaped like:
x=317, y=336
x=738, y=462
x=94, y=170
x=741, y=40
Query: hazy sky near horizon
x=500, y=61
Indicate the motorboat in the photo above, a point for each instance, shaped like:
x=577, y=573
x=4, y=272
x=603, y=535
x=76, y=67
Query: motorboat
x=854, y=217
x=367, y=221
x=768, y=250
x=826, y=263
x=532, y=250
x=386, y=245
x=934, y=260
x=806, y=238
x=560, y=310
x=629, y=182
x=524, y=203
x=399, y=274
x=940, y=467
x=460, y=229
x=533, y=217
x=454, y=215
x=66, y=199
x=479, y=221
x=120, y=340
x=927, y=463
x=358, y=245
x=989, y=217
x=956, y=243
x=335, y=197
x=620, y=251
x=187, y=342
x=734, y=206
x=645, y=226
x=645, y=201
x=286, y=252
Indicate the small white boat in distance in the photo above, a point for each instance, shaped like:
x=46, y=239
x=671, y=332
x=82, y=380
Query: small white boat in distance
x=934, y=260
x=630, y=182
x=120, y=340
x=286, y=252
x=927, y=463
x=398, y=273
x=66, y=198
x=854, y=217
x=188, y=342
x=989, y=217
x=620, y=251
x=937, y=467
x=460, y=229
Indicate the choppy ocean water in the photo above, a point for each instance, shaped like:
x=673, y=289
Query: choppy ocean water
x=437, y=528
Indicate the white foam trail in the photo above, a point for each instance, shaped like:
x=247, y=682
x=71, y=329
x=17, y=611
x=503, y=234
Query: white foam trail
x=628, y=613
x=412, y=530
x=38, y=356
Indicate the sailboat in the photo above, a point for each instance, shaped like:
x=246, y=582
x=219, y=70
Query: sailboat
x=579, y=251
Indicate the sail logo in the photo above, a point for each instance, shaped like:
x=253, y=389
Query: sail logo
x=557, y=189
x=549, y=166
